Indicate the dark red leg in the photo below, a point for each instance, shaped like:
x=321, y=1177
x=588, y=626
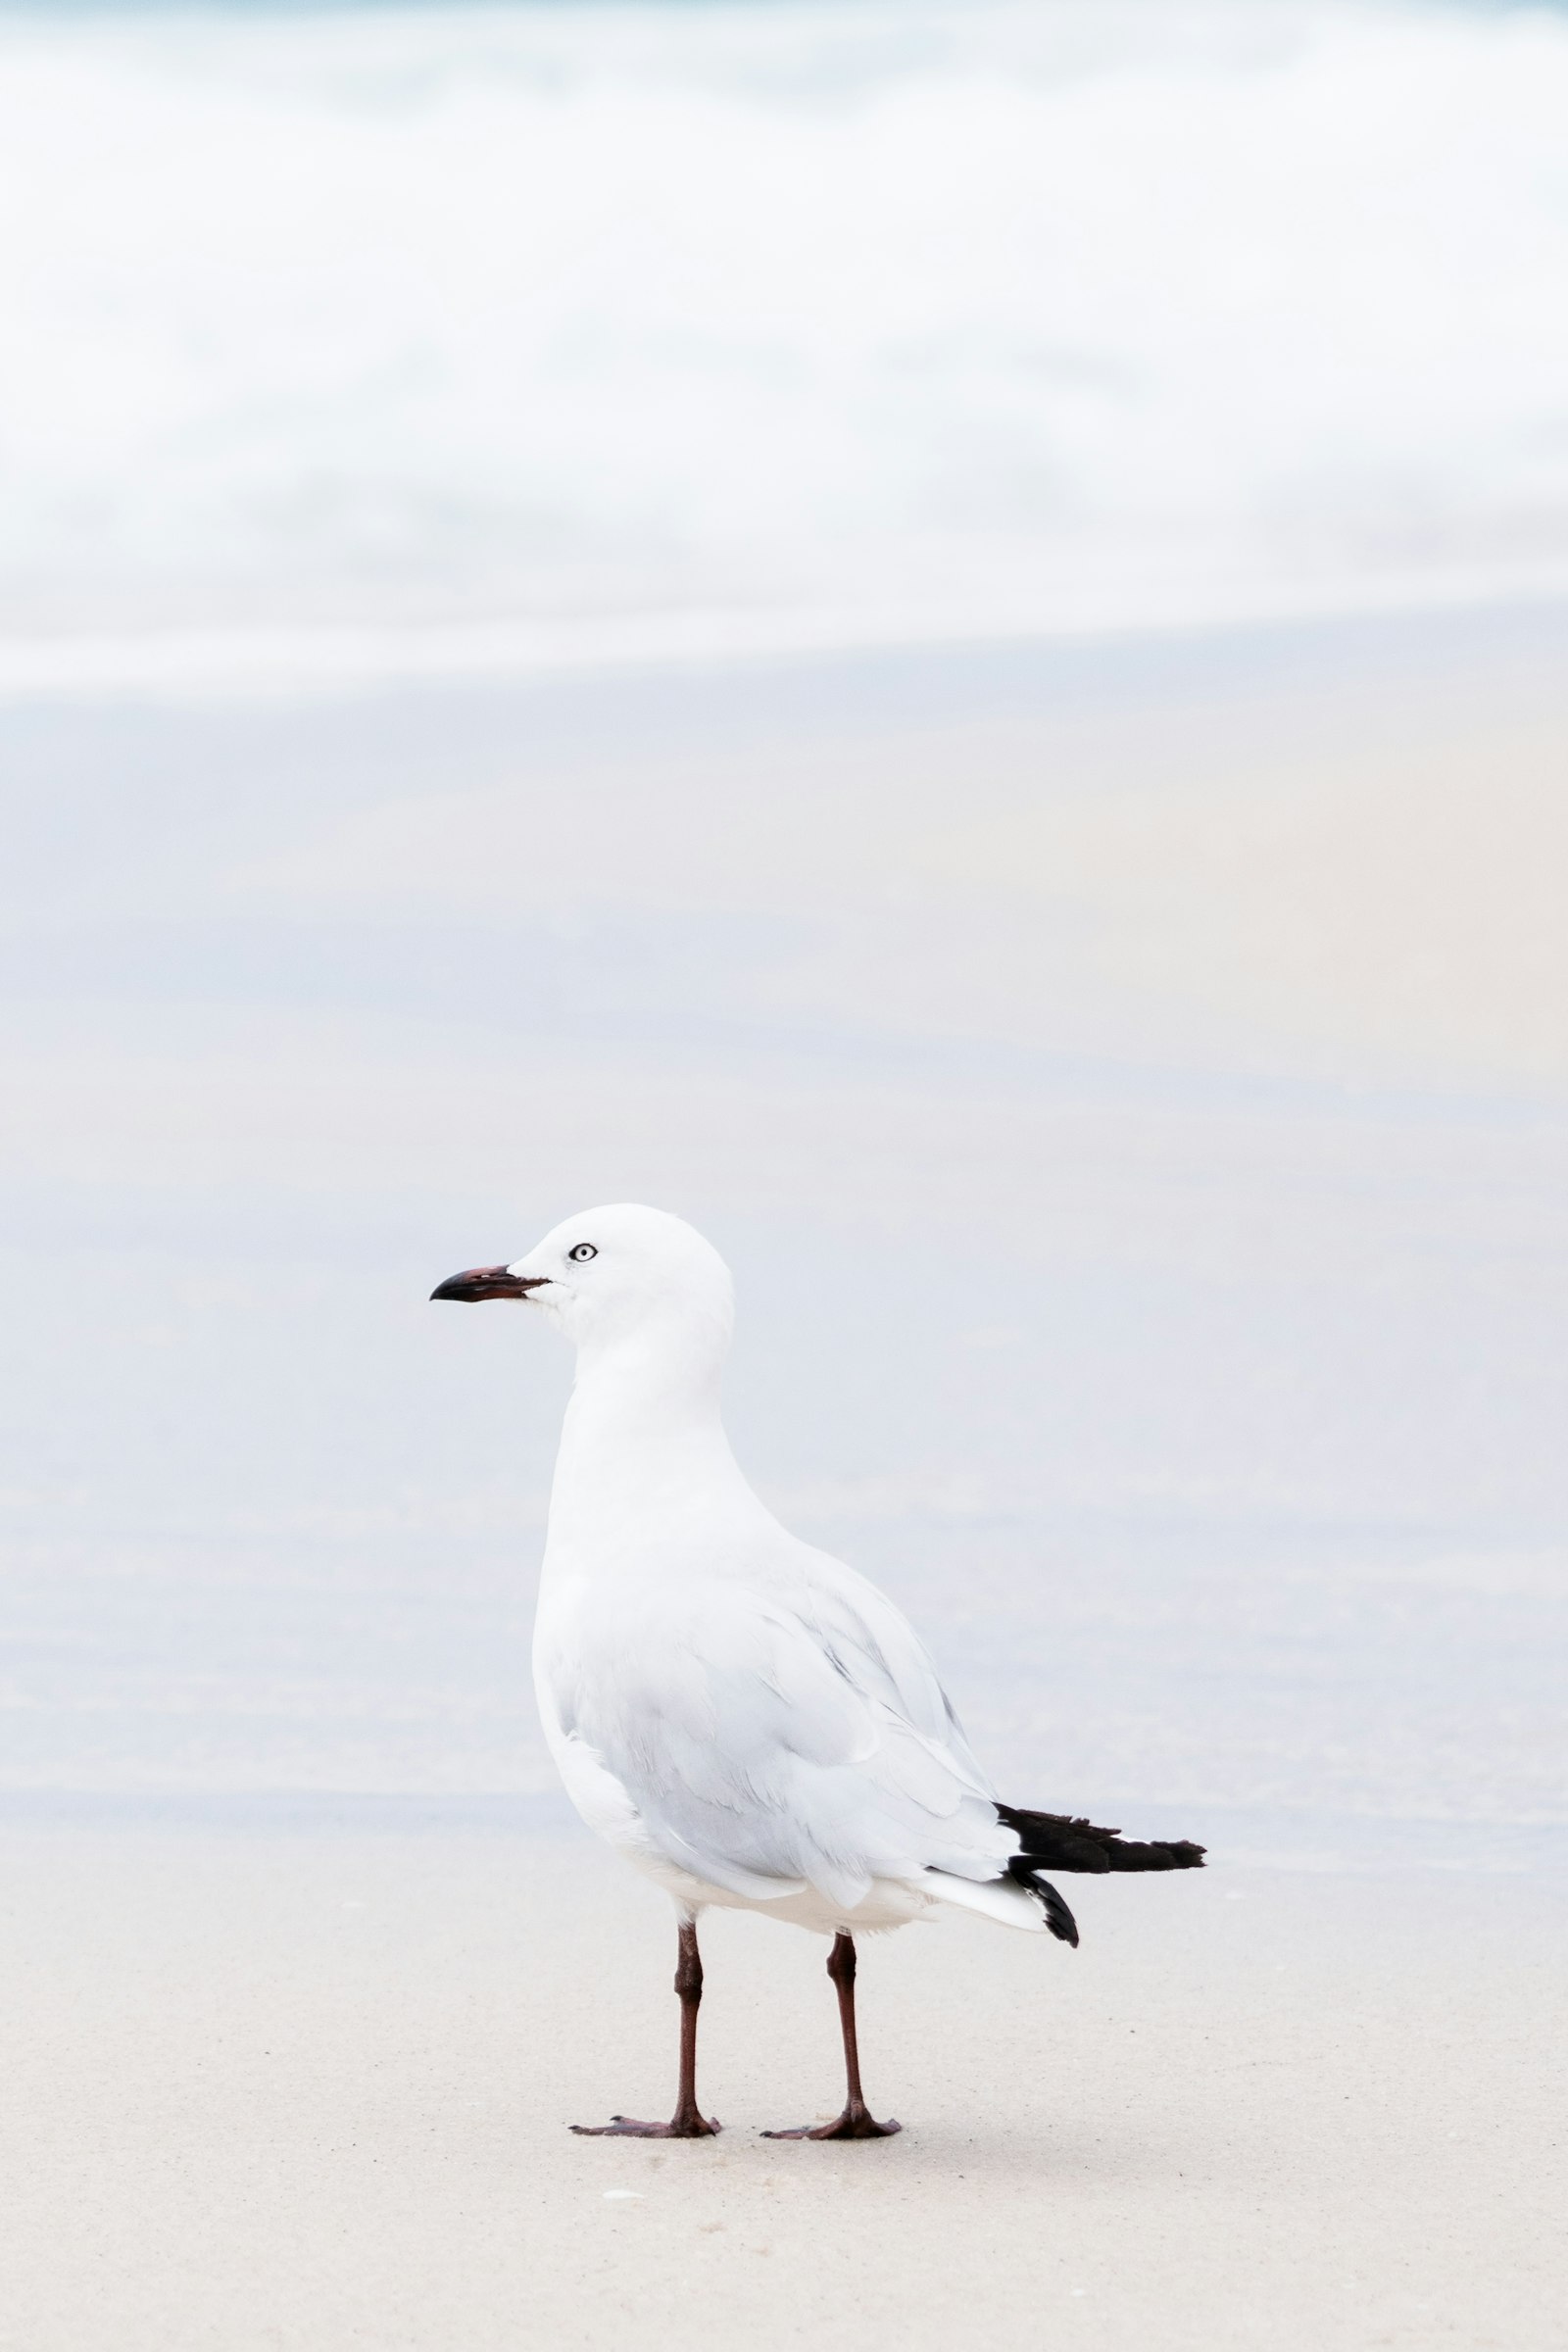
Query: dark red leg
x=856, y=2122
x=686, y=2123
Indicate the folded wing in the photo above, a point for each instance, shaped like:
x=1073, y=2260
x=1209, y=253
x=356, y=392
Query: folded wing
x=787, y=1730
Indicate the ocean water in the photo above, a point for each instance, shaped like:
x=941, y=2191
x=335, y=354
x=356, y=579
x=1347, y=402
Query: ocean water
x=933, y=634
x=360, y=341
x=1160, y=1290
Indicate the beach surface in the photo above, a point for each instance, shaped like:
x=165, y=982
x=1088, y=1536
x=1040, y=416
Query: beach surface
x=1150, y=1236
x=300, y=2076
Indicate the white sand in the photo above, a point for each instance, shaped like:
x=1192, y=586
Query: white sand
x=294, y=2086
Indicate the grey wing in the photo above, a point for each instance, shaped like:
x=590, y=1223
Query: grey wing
x=785, y=1734
x=871, y=1642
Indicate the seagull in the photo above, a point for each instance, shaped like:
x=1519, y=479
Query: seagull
x=750, y=1722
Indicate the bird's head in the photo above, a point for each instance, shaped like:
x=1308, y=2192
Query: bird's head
x=615, y=1274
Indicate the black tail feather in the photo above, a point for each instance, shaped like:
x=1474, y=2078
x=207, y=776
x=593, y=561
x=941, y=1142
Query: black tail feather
x=1061, y=1842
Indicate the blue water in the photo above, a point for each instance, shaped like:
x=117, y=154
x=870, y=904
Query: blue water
x=1177, y=971
x=1205, y=1414
x=577, y=335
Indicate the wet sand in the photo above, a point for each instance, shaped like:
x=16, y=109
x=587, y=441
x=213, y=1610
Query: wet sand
x=303, y=2080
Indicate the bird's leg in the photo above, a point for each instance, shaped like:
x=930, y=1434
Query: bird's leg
x=687, y=2123
x=856, y=2122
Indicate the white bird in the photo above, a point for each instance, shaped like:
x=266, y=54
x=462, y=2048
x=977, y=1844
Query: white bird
x=742, y=1716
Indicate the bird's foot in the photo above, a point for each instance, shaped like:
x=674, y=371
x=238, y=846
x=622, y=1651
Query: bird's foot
x=684, y=2124
x=855, y=2123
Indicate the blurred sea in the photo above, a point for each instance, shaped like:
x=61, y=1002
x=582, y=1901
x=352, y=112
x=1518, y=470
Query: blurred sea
x=454, y=338
x=933, y=634
x=1178, y=1334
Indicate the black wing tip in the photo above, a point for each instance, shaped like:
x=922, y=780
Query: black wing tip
x=1185, y=1855
x=1058, y=1919
x=1071, y=1841
x=1178, y=1853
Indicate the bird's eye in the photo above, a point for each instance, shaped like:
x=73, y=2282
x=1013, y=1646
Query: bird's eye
x=582, y=1254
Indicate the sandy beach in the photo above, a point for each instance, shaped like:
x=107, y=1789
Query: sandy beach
x=301, y=2079
x=1224, y=1478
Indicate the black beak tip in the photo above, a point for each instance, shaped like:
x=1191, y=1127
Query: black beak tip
x=486, y=1282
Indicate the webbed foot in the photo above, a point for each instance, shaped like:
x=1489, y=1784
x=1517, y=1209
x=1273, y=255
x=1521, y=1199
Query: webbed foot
x=625, y=2127
x=855, y=2123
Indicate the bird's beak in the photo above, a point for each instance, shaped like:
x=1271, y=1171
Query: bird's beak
x=488, y=1282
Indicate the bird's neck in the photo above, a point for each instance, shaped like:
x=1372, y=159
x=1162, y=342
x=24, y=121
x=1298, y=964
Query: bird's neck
x=643, y=1452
